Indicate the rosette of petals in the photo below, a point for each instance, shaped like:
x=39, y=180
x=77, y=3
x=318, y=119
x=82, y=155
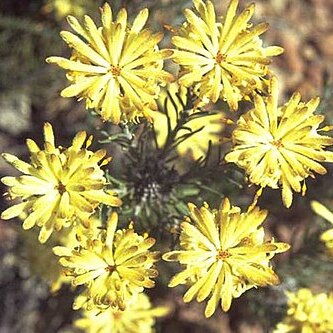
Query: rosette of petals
x=114, y=267
x=224, y=254
x=205, y=128
x=116, y=68
x=281, y=146
x=222, y=58
x=59, y=185
x=138, y=317
x=307, y=313
x=326, y=236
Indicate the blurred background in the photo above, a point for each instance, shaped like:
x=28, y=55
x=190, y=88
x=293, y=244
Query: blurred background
x=29, y=96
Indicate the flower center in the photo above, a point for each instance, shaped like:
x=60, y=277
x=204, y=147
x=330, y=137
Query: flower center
x=220, y=57
x=117, y=315
x=277, y=143
x=222, y=255
x=115, y=70
x=61, y=188
x=110, y=269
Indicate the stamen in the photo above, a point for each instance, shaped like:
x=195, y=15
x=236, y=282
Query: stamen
x=115, y=70
x=110, y=269
x=277, y=144
x=61, y=188
x=220, y=57
x=222, y=255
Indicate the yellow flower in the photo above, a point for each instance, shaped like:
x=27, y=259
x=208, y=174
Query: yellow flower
x=222, y=58
x=326, y=236
x=280, y=146
x=116, y=68
x=59, y=185
x=114, y=266
x=207, y=128
x=138, y=317
x=307, y=313
x=63, y=8
x=224, y=253
x=41, y=259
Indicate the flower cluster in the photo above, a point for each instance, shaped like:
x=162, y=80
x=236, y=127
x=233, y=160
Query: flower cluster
x=224, y=254
x=114, y=266
x=116, y=68
x=307, y=313
x=59, y=185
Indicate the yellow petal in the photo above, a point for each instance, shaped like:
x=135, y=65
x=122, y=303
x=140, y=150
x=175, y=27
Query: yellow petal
x=82, y=48
x=14, y=211
x=140, y=20
x=322, y=211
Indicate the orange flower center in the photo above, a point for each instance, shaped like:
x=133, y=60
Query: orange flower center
x=277, y=143
x=115, y=70
x=222, y=255
x=220, y=57
x=117, y=315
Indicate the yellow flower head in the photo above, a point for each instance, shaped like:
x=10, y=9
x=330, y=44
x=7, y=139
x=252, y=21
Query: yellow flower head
x=116, y=68
x=63, y=8
x=222, y=58
x=43, y=262
x=114, y=266
x=138, y=317
x=59, y=185
x=280, y=146
x=207, y=128
x=327, y=236
x=224, y=254
x=307, y=313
